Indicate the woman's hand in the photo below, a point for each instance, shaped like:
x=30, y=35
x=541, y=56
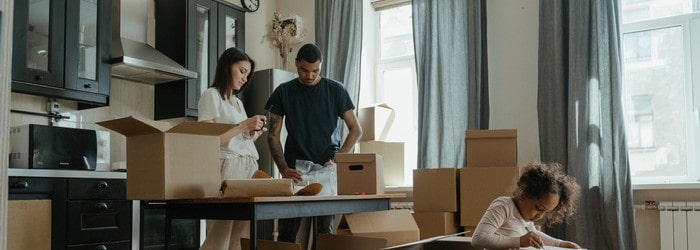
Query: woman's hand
x=254, y=123
x=569, y=244
x=531, y=239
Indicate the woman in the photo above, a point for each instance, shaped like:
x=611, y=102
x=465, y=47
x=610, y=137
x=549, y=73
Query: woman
x=238, y=154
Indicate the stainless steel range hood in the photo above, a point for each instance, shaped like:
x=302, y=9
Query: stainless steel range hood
x=132, y=57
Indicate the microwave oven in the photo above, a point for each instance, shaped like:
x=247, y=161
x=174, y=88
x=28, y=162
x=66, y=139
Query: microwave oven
x=48, y=147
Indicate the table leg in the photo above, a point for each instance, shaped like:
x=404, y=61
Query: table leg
x=314, y=231
x=168, y=225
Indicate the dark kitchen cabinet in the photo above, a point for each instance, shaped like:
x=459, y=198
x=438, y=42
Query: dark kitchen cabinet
x=210, y=27
x=85, y=213
x=61, y=49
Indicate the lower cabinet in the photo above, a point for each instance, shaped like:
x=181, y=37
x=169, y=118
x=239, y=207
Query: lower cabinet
x=85, y=213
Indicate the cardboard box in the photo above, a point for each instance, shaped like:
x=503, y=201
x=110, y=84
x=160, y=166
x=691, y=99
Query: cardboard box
x=360, y=173
x=396, y=226
x=376, y=122
x=492, y=148
x=393, y=155
x=165, y=163
x=479, y=186
x=436, y=223
x=29, y=224
x=257, y=188
x=270, y=245
x=435, y=190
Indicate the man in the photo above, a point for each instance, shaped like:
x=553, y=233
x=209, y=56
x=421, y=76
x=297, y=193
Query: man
x=311, y=106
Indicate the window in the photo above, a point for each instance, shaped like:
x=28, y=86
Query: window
x=392, y=80
x=661, y=85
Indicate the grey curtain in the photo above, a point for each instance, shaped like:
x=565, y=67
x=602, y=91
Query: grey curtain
x=452, y=74
x=581, y=120
x=339, y=36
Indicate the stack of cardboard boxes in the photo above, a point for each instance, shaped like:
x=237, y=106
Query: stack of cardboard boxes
x=490, y=172
x=376, y=122
x=435, y=201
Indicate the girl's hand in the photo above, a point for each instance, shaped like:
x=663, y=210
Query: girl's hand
x=569, y=244
x=531, y=239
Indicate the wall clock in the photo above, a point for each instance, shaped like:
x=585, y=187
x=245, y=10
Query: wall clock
x=250, y=5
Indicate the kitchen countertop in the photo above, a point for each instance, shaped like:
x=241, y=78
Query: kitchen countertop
x=59, y=173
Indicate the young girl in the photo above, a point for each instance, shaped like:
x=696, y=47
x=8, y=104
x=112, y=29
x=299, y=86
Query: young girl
x=543, y=191
x=238, y=153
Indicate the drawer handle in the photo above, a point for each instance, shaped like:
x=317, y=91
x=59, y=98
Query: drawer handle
x=101, y=247
x=101, y=206
x=20, y=184
x=102, y=185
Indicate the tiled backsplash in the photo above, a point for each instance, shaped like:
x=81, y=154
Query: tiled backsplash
x=126, y=99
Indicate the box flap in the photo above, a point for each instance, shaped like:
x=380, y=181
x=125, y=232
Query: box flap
x=497, y=133
x=418, y=244
x=201, y=128
x=348, y=242
x=381, y=221
x=351, y=157
x=130, y=126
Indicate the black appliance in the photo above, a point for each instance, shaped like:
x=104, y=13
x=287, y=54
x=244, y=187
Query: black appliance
x=48, y=147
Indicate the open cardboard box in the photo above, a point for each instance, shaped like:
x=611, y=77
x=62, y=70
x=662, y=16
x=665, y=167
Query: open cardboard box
x=166, y=163
x=376, y=122
x=360, y=230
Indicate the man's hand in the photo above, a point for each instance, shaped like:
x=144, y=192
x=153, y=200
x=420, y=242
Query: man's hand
x=291, y=173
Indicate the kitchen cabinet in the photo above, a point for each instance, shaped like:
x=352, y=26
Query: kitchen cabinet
x=86, y=213
x=61, y=49
x=210, y=27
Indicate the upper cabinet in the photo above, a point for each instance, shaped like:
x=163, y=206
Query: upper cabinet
x=210, y=28
x=61, y=49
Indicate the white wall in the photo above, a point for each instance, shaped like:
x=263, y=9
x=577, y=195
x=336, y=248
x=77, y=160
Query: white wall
x=512, y=40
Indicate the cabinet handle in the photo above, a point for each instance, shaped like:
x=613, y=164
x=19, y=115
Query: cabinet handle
x=101, y=206
x=39, y=77
x=102, y=185
x=101, y=247
x=20, y=184
x=87, y=86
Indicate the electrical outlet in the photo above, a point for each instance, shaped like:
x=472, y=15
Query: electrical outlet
x=52, y=106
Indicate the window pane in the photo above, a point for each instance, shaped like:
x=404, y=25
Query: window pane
x=655, y=93
x=396, y=32
x=639, y=10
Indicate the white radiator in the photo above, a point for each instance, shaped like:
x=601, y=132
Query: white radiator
x=680, y=225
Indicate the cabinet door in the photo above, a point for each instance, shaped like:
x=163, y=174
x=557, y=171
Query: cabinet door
x=88, y=44
x=38, y=44
x=201, y=47
x=231, y=27
x=54, y=189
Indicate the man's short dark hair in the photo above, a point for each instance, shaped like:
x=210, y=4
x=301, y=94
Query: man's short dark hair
x=309, y=53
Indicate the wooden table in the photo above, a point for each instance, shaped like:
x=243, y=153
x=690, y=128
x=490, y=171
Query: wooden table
x=266, y=208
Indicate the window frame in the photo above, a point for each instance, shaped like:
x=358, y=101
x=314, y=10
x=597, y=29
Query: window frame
x=690, y=26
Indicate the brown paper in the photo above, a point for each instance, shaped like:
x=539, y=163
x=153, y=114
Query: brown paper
x=256, y=188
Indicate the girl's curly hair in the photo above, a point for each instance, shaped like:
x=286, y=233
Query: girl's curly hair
x=538, y=179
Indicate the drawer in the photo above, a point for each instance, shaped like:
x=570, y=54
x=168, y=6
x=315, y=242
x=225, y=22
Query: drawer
x=99, y=189
x=36, y=188
x=98, y=221
x=121, y=245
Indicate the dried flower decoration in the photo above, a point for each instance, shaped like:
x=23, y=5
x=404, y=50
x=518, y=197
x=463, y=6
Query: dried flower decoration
x=284, y=34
